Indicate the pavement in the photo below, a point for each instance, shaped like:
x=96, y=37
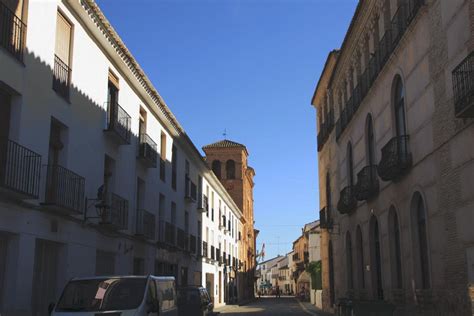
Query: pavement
x=272, y=306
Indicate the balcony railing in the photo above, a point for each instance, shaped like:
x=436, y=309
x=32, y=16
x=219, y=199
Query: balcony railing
x=205, y=248
x=396, y=158
x=190, y=188
x=367, y=185
x=61, y=77
x=325, y=218
x=64, y=189
x=463, y=85
x=213, y=253
x=20, y=170
x=218, y=256
x=147, y=151
x=204, y=204
x=115, y=213
x=181, y=239
x=12, y=32
x=347, y=201
x=296, y=257
x=406, y=12
x=118, y=123
x=325, y=129
x=145, y=224
x=170, y=234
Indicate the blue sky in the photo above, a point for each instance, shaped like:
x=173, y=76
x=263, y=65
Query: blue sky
x=248, y=66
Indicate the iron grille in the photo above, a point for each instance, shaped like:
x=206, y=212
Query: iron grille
x=396, y=158
x=20, y=170
x=64, y=188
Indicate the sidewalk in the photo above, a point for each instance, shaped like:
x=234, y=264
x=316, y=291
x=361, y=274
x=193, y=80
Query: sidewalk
x=311, y=309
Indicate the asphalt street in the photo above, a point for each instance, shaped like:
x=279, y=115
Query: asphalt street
x=271, y=306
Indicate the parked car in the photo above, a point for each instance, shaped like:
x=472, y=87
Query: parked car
x=118, y=295
x=194, y=301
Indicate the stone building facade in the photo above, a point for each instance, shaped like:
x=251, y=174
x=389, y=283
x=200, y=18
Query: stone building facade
x=229, y=161
x=396, y=162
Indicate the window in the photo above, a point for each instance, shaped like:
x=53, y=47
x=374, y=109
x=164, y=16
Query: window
x=186, y=222
x=173, y=213
x=109, y=173
x=370, y=141
x=360, y=258
x=216, y=168
x=376, y=259
x=395, y=250
x=161, y=218
x=62, y=63
x=420, y=242
x=174, y=166
x=349, y=275
x=350, y=165
x=140, y=202
x=230, y=169
x=399, y=104
x=163, y=157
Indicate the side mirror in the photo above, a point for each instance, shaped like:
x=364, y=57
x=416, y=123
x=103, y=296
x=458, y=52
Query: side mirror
x=51, y=308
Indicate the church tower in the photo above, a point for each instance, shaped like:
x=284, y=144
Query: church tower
x=229, y=162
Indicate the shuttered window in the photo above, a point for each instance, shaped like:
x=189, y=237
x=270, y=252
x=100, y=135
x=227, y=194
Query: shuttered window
x=63, y=38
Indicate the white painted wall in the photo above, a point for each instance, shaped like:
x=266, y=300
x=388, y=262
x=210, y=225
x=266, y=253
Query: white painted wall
x=85, y=117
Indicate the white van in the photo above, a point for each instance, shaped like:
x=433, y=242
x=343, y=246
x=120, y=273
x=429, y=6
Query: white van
x=118, y=295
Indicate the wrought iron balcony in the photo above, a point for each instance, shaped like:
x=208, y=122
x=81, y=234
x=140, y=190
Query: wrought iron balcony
x=204, y=204
x=213, y=253
x=115, y=214
x=61, y=77
x=325, y=129
x=367, y=185
x=170, y=234
x=145, y=224
x=222, y=222
x=147, y=152
x=218, y=256
x=64, y=190
x=463, y=85
x=396, y=158
x=347, y=202
x=404, y=15
x=325, y=218
x=205, y=248
x=12, y=32
x=190, y=190
x=118, y=123
x=181, y=239
x=20, y=170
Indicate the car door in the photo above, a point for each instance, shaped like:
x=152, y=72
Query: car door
x=152, y=302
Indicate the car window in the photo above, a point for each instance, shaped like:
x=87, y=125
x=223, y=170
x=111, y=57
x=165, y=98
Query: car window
x=166, y=294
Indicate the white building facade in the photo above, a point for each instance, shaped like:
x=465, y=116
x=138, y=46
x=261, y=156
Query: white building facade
x=97, y=177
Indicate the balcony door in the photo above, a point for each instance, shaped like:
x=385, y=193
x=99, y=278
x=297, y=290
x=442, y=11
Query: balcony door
x=112, y=101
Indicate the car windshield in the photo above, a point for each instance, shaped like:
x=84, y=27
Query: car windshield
x=102, y=294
